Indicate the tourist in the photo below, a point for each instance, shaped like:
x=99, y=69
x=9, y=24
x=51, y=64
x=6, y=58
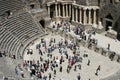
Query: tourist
x=78, y=77
x=88, y=62
x=22, y=73
x=108, y=46
x=16, y=70
x=49, y=76
x=60, y=68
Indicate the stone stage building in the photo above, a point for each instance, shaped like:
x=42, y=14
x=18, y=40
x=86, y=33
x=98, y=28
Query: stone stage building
x=98, y=14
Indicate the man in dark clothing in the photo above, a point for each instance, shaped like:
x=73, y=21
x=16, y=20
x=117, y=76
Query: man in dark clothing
x=78, y=77
x=60, y=68
x=49, y=76
x=88, y=62
x=108, y=46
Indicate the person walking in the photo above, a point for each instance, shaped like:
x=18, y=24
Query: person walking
x=108, y=46
x=88, y=62
x=60, y=68
x=78, y=77
x=16, y=70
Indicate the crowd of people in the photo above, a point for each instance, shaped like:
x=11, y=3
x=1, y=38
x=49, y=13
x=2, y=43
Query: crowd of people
x=53, y=63
x=84, y=34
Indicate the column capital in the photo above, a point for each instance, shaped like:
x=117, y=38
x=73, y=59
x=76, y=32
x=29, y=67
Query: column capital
x=84, y=9
x=56, y=3
x=76, y=7
x=63, y=3
x=94, y=9
x=48, y=4
x=80, y=7
x=89, y=8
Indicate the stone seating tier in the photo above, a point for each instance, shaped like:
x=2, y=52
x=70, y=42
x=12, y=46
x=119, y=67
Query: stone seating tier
x=18, y=30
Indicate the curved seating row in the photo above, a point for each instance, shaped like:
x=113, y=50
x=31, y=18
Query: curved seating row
x=16, y=31
x=6, y=5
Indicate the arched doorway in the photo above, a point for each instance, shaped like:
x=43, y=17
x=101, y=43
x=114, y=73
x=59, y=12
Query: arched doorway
x=8, y=13
x=108, y=21
x=42, y=22
x=32, y=6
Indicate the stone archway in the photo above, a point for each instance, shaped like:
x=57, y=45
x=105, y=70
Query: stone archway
x=42, y=22
x=32, y=6
x=108, y=15
x=108, y=21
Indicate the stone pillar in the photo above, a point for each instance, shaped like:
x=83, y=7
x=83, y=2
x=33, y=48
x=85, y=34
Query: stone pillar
x=94, y=16
x=89, y=16
x=49, y=10
x=59, y=10
x=76, y=14
x=66, y=10
x=56, y=11
x=84, y=16
x=73, y=14
x=69, y=9
x=63, y=10
x=80, y=17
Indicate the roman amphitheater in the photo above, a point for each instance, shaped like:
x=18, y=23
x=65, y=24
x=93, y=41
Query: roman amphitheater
x=59, y=39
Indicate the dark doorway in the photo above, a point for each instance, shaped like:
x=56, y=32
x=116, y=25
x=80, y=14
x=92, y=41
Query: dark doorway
x=108, y=23
x=111, y=1
x=51, y=14
x=8, y=13
x=32, y=6
x=109, y=20
x=52, y=10
x=42, y=22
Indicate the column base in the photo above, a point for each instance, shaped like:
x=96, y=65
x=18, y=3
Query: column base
x=95, y=26
x=90, y=23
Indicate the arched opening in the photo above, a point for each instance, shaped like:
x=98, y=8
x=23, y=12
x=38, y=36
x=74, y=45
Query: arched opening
x=32, y=6
x=8, y=13
x=42, y=22
x=111, y=1
x=108, y=20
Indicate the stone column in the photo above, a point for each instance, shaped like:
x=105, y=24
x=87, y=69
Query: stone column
x=66, y=10
x=84, y=16
x=69, y=9
x=63, y=10
x=94, y=16
x=80, y=17
x=59, y=10
x=76, y=14
x=49, y=10
x=73, y=13
x=89, y=16
x=56, y=11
